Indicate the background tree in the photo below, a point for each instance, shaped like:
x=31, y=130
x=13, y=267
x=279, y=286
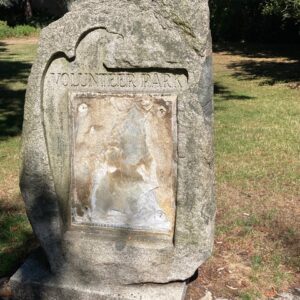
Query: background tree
x=255, y=20
x=7, y=3
x=15, y=11
x=286, y=9
x=276, y=21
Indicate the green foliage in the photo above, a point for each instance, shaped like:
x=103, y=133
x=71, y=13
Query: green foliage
x=255, y=20
x=286, y=9
x=39, y=20
x=8, y=3
x=17, y=31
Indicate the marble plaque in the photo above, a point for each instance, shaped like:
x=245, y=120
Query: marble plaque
x=124, y=160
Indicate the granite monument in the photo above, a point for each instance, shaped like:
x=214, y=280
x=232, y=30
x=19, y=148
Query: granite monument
x=117, y=160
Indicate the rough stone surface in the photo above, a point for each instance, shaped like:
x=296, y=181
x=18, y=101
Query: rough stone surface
x=208, y=296
x=41, y=284
x=291, y=295
x=154, y=48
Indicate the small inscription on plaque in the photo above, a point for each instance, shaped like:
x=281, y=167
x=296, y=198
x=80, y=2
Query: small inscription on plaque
x=124, y=160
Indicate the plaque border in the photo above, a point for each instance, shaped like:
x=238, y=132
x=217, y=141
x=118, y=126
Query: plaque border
x=92, y=227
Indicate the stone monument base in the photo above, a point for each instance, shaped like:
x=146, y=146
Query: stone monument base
x=33, y=281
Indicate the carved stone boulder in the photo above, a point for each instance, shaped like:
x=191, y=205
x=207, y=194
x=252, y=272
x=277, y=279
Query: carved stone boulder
x=117, y=172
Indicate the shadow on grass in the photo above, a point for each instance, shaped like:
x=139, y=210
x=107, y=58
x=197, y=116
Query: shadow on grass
x=223, y=93
x=13, y=78
x=14, y=257
x=287, y=233
x=2, y=47
x=270, y=63
x=290, y=52
x=11, y=112
x=269, y=71
x=16, y=239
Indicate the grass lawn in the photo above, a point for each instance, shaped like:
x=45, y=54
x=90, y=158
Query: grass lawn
x=257, y=147
x=257, y=128
x=16, y=238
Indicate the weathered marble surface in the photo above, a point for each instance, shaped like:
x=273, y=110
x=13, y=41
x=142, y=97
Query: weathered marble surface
x=122, y=47
x=123, y=165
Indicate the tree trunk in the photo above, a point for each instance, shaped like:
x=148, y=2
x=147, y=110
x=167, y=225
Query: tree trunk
x=27, y=10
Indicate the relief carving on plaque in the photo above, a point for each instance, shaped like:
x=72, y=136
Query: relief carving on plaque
x=124, y=160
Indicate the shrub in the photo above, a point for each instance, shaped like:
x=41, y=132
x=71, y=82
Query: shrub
x=17, y=31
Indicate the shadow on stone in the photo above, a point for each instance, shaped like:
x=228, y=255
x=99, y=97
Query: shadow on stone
x=35, y=280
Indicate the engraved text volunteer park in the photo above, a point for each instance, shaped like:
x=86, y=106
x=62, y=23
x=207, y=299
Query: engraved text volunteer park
x=124, y=80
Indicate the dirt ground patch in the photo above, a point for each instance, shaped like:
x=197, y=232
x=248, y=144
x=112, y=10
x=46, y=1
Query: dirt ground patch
x=21, y=41
x=253, y=248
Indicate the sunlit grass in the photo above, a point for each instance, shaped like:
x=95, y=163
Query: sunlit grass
x=15, y=231
x=257, y=130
